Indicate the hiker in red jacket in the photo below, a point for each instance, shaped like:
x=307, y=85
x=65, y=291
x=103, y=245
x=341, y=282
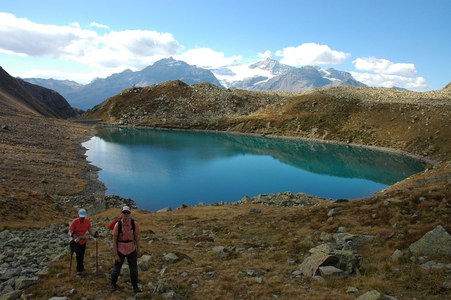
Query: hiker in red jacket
x=77, y=231
x=126, y=245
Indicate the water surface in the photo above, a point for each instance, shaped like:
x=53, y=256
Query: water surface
x=160, y=168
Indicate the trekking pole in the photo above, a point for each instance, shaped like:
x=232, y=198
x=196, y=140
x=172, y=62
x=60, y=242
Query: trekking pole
x=71, y=256
x=97, y=258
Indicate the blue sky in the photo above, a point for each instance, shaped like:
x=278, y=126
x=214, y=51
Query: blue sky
x=405, y=43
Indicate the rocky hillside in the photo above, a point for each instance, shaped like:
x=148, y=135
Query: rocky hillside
x=27, y=97
x=410, y=121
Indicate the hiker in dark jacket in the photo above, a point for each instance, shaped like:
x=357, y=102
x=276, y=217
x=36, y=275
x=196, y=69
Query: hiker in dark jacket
x=126, y=245
x=77, y=231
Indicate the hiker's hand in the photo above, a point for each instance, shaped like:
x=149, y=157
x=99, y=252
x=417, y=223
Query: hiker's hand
x=116, y=258
x=138, y=253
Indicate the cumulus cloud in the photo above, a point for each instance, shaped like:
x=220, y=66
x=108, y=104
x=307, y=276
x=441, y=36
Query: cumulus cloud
x=390, y=80
x=21, y=36
x=311, y=54
x=131, y=48
x=207, y=58
x=384, y=73
x=383, y=66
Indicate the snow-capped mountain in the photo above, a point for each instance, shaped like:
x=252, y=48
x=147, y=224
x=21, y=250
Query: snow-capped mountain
x=270, y=74
x=264, y=75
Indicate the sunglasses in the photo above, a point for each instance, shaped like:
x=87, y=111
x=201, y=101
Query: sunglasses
x=126, y=212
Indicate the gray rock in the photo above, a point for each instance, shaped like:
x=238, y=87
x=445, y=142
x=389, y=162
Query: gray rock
x=311, y=264
x=24, y=282
x=11, y=295
x=371, y=295
x=396, y=256
x=342, y=229
x=352, y=290
x=436, y=242
x=328, y=272
x=325, y=237
x=144, y=262
x=222, y=251
x=329, y=254
x=171, y=257
x=333, y=212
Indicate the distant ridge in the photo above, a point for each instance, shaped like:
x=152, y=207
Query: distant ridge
x=277, y=77
x=282, y=77
x=89, y=95
x=30, y=98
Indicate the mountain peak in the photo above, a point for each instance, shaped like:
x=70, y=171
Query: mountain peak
x=170, y=61
x=272, y=65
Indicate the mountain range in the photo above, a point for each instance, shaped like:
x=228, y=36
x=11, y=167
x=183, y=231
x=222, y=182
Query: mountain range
x=271, y=75
x=268, y=74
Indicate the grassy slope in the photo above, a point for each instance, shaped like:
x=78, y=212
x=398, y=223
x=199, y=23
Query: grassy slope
x=270, y=238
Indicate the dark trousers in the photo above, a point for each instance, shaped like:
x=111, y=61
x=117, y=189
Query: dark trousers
x=80, y=254
x=132, y=260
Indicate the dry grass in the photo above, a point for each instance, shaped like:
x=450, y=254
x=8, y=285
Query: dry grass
x=261, y=244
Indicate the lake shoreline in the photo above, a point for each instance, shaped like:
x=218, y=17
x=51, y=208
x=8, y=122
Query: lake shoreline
x=317, y=140
x=426, y=161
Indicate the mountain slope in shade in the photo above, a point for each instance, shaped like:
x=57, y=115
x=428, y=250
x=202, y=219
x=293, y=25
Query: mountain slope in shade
x=26, y=97
x=89, y=95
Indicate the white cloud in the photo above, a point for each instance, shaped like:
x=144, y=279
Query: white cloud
x=390, y=80
x=311, y=54
x=265, y=55
x=22, y=36
x=115, y=49
x=383, y=66
x=207, y=58
x=384, y=73
x=98, y=25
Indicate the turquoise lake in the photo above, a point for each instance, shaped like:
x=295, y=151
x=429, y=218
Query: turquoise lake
x=161, y=168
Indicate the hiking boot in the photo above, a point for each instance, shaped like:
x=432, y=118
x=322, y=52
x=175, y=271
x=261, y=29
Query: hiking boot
x=79, y=274
x=136, y=289
x=114, y=287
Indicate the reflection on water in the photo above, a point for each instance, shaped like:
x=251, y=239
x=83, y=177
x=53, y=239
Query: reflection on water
x=160, y=168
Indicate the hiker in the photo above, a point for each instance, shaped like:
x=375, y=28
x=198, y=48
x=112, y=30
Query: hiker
x=77, y=231
x=126, y=245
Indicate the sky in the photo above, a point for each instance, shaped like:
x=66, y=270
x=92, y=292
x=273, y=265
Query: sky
x=385, y=43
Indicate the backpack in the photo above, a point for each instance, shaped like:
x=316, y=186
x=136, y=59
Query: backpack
x=119, y=229
x=113, y=223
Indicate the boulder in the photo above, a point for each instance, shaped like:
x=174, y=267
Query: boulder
x=331, y=255
x=436, y=242
x=144, y=262
x=371, y=295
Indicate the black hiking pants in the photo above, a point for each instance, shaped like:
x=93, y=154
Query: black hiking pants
x=80, y=254
x=132, y=260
